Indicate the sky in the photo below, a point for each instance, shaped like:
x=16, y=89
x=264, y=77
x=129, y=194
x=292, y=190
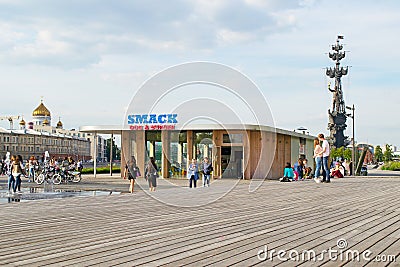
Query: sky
x=88, y=58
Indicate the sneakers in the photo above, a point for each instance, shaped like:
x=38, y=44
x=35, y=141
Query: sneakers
x=317, y=180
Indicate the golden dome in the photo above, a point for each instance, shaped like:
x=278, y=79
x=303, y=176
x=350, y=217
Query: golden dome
x=22, y=122
x=46, y=122
x=59, y=124
x=41, y=110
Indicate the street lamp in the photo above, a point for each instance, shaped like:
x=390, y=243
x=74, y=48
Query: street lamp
x=111, y=152
x=353, y=140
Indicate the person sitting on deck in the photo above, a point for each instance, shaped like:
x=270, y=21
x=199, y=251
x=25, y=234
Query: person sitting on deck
x=288, y=174
x=306, y=170
x=298, y=170
x=337, y=171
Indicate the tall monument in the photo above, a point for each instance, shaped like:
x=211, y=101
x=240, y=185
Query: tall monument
x=337, y=115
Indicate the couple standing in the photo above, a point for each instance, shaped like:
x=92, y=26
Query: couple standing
x=321, y=155
x=193, y=172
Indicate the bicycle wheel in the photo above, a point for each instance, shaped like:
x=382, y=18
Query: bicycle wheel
x=37, y=174
x=56, y=179
x=40, y=179
x=77, y=178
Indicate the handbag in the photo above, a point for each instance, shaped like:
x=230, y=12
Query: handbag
x=138, y=174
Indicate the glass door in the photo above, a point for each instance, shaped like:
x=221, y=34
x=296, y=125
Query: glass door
x=232, y=161
x=154, y=147
x=178, y=154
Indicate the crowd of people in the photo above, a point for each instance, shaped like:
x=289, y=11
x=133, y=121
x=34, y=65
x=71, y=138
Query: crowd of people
x=15, y=168
x=323, y=173
x=194, y=170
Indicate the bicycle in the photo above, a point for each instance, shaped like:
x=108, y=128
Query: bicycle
x=67, y=174
x=46, y=174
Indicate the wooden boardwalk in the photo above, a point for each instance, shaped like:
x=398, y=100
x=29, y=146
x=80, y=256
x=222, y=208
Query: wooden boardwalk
x=138, y=230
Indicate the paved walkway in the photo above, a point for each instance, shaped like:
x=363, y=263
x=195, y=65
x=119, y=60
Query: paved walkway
x=349, y=215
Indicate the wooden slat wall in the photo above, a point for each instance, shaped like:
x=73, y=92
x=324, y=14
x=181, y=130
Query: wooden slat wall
x=166, y=147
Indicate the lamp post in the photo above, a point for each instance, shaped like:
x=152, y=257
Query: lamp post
x=353, y=140
x=111, y=152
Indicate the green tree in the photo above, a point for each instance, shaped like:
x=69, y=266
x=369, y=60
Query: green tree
x=341, y=152
x=336, y=152
x=347, y=154
x=378, y=154
x=388, y=154
x=116, y=151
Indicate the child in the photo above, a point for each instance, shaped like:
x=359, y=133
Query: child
x=306, y=170
x=298, y=169
x=287, y=174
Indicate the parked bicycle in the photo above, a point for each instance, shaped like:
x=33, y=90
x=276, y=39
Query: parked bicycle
x=67, y=174
x=46, y=174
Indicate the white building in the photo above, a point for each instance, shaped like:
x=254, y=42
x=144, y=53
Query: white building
x=38, y=136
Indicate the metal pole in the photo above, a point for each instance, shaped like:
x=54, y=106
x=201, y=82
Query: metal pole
x=353, y=155
x=111, y=153
x=95, y=155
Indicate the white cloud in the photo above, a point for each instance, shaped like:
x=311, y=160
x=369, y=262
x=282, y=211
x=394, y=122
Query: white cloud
x=226, y=37
x=106, y=53
x=44, y=45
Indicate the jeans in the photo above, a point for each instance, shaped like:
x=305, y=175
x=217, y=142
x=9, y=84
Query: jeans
x=326, y=168
x=17, y=184
x=318, y=161
x=32, y=173
x=206, y=180
x=192, y=180
x=11, y=182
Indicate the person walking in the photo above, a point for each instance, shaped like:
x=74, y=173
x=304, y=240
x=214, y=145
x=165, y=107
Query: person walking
x=8, y=170
x=131, y=173
x=16, y=171
x=325, y=157
x=31, y=165
x=79, y=166
x=318, y=159
x=207, y=169
x=193, y=173
x=151, y=173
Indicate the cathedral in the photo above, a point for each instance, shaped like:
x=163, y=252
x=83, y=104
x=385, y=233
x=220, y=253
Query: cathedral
x=35, y=137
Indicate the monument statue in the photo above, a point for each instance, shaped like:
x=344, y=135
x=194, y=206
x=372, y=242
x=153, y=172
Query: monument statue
x=337, y=115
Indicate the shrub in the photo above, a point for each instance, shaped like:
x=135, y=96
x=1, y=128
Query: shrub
x=391, y=166
x=100, y=170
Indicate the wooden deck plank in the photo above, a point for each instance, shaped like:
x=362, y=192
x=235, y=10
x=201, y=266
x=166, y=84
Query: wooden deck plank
x=326, y=244
x=224, y=228
x=137, y=229
x=219, y=239
x=385, y=251
x=315, y=237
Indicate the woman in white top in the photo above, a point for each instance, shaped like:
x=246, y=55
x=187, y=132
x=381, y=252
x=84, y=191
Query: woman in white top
x=193, y=173
x=318, y=158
